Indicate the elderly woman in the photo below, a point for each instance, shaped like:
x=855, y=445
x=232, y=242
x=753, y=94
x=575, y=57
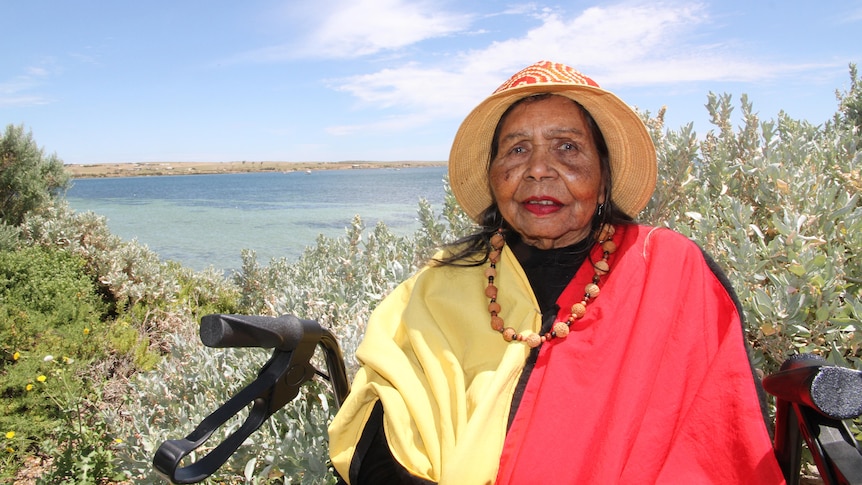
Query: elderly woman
x=562, y=343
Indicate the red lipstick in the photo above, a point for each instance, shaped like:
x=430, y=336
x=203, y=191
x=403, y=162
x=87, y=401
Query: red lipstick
x=541, y=206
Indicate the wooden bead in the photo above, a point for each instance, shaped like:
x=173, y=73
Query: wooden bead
x=609, y=246
x=497, y=323
x=497, y=241
x=494, y=256
x=491, y=292
x=602, y=267
x=533, y=340
x=592, y=289
x=494, y=308
x=606, y=232
x=491, y=273
x=561, y=329
x=508, y=334
x=579, y=310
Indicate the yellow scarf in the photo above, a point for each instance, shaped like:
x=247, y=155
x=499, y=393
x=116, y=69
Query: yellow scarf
x=444, y=377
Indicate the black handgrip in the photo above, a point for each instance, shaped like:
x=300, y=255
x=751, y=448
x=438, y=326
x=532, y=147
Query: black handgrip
x=282, y=333
x=278, y=382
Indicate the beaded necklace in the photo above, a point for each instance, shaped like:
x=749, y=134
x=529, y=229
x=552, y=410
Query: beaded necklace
x=560, y=329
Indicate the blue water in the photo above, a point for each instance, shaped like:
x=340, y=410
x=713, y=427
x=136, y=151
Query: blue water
x=206, y=220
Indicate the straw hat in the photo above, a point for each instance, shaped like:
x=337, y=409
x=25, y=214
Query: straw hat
x=631, y=150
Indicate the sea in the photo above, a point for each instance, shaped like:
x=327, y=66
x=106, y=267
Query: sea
x=204, y=221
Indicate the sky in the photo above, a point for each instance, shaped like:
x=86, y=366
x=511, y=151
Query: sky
x=386, y=80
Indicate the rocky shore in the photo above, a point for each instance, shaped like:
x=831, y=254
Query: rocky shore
x=100, y=170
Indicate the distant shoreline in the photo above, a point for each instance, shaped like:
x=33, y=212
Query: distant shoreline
x=146, y=169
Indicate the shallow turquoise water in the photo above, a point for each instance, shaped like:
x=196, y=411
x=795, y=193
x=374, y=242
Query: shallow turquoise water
x=206, y=220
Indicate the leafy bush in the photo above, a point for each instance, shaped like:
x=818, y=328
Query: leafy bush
x=104, y=309
x=29, y=180
x=9, y=237
x=777, y=203
x=156, y=296
x=51, y=328
x=171, y=401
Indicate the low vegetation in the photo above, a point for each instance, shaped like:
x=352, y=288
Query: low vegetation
x=100, y=362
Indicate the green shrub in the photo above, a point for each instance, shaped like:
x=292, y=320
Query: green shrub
x=158, y=297
x=51, y=328
x=9, y=237
x=139, y=304
x=50, y=304
x=29, y=180
x=777, y=204
x=81, y=447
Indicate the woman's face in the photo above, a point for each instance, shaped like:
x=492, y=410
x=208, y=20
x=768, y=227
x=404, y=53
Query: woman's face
x=546, y=177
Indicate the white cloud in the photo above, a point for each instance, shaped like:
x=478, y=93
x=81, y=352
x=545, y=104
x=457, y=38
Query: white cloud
x=601, y=40
x=21, y=100
x=627, y=44
x=354, y=28
x=853, y=16
x=389, y=124
x=16, y=91
x=370, y=26
x=408, y=87
x=597, y=39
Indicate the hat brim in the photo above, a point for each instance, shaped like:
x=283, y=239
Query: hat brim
x=630, y=149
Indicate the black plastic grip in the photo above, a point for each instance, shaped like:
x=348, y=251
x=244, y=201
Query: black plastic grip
x=223, y=331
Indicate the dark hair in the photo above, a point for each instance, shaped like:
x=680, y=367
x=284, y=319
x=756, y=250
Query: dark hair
x=473, y=250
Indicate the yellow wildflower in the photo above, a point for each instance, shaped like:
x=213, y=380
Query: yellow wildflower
x=10, y=435
x=9, y=449
x=86, y=331
x=16, y=356
x=28, y=387
x=42, y=378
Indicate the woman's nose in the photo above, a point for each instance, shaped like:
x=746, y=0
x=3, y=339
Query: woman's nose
x=540, y=164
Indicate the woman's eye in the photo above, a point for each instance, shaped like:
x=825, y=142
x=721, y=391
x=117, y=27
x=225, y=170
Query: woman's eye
x=568, y=146
x=518, y=150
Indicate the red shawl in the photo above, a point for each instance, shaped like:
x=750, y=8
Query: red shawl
x=653, y=385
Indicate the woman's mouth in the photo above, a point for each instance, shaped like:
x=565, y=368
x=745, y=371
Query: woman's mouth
x=541, y=206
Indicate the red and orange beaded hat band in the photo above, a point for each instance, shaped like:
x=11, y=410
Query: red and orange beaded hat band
x=631, y=150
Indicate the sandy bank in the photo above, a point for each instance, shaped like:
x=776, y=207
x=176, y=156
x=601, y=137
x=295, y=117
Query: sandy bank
x=195, y=168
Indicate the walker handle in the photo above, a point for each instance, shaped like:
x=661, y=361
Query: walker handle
x=278, y=383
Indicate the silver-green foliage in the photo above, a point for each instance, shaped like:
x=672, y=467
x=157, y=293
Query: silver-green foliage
x=172, y=400
x=129, y=271
x=777, y=204
x=162, y=297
